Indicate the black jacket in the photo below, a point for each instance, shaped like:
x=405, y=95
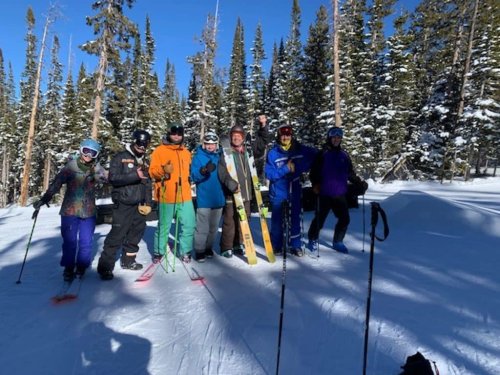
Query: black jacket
x=128, y=188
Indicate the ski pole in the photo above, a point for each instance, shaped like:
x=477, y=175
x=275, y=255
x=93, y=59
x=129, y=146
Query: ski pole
x=285, y=209
x=176, y=222
x=161, y=213
x=364, y=229
x=34, y=217
x=317, y=219
x=374, y=218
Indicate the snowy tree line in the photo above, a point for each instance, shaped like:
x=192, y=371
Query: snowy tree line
x=421, y=103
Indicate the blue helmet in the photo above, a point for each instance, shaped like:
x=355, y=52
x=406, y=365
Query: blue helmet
x=335, y=132
x=90, y=147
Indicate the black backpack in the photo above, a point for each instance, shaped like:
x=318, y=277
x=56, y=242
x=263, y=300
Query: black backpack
x=417, y=364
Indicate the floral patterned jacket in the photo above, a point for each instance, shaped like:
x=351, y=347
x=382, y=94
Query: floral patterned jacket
x=81, y=183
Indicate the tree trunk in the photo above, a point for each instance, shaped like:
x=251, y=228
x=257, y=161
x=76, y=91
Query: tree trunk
x=5, y=177
x=47, y=171
x=336, y=65
x=31, y=132
x=461, y=104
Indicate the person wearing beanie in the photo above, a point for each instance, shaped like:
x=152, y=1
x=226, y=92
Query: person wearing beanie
x=286, y=161
x=230, y=241
x=170, y=167
x=329, y=176
x=209, y=176
x=82, y=174
x=131, y=195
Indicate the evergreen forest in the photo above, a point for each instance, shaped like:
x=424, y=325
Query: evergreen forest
x=422, y=103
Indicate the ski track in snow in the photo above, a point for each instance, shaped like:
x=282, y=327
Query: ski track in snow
x=441, y=299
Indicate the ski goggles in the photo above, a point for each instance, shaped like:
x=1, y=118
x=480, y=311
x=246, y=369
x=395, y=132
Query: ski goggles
x=176, y=130
x=335, y=132
x=285, y=131
x=89, y=152
x=210, y=138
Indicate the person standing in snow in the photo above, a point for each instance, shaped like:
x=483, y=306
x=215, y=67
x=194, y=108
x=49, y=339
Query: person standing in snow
x=81, y=174
x=131, y=195
x=231, y=237
x=286, y=162
x=170, y=166
x=209, y=175
x=330, y=173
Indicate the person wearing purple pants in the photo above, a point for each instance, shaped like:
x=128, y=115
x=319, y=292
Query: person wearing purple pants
x=81, y=174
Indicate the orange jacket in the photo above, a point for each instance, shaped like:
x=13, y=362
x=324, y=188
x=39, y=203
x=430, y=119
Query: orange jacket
x=178, y=181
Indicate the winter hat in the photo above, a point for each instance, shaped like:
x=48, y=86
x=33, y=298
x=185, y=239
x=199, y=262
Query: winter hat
x=90, y=147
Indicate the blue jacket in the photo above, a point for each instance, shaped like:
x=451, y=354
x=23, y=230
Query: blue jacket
x=278, y=173
x=209, y=193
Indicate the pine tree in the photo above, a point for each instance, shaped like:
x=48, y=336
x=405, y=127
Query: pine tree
x=236, y=97
x=293, y=67
x=257, y=81
x=356, y=80
x=317, y=69
x=113, y=31
x=171, y=107
x=50, y=139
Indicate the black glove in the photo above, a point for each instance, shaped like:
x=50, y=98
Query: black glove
x=207, y=169
x=39, y=203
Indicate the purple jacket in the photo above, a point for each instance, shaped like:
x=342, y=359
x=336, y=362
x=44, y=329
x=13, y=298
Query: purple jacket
x=332, y=169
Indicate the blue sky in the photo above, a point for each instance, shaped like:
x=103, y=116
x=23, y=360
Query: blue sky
x=175, y=27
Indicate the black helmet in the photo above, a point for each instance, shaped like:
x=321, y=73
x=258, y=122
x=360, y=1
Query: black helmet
x=141, y=138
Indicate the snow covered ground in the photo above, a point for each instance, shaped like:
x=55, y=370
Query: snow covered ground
x=436, y=285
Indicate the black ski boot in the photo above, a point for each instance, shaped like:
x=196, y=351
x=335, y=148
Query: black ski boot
x=69, y=274
x=128, y=263
x=80, y=271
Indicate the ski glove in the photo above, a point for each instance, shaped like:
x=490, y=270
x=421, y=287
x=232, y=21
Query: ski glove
x=39, y=203
x=168, y=168
x=144, y=209
x=207, y=169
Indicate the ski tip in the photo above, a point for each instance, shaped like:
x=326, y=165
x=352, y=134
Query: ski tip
x=58, y=300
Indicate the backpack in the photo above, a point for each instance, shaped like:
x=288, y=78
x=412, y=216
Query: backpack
x=417, y=364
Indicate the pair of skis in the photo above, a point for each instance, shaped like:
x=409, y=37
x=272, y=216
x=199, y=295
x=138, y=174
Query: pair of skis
x=69, y=291
x=240, y=207
x=148, y=273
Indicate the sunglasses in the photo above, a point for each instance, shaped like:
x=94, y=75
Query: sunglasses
x=89, y=152
x=285, y=131
x=176, y=130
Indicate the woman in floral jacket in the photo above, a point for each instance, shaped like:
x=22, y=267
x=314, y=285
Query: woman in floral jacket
x=81, y=175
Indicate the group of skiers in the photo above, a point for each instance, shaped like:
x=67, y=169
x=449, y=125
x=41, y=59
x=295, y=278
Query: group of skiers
x=167, y=179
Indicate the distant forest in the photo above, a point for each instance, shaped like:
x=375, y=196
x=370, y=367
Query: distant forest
x=423, y=103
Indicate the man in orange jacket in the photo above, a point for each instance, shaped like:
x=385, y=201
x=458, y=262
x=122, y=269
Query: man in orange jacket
x=170, y=166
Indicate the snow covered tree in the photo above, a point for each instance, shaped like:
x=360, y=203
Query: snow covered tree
x=257, y=80
x=317, y=68
x=113, y=30
x=50, y=139
x=236, y=92
x=292, y=66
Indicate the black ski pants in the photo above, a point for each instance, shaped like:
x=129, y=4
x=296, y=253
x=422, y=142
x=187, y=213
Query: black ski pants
x=341, y=211
x=126, y=232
